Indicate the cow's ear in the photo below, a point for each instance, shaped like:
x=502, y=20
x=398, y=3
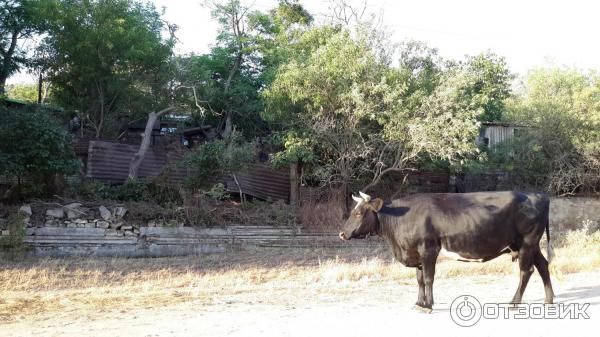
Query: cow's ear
x=376, y=204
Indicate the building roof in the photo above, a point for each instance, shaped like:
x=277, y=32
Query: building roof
x=504, y=124
x=16, y=101
x=141, y=125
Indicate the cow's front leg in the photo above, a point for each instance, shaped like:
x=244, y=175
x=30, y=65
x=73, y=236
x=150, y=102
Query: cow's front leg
x=421, y=300
x=428, y=259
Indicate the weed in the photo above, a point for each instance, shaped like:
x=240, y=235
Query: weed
x=13, y=243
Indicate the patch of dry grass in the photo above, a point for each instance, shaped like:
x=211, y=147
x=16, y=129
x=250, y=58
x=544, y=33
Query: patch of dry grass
x=46, y=287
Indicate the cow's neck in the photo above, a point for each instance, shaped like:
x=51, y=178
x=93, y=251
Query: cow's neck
x=388, y=233
x=382, y=226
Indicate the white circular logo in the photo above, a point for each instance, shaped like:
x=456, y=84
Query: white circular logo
x=465, y=310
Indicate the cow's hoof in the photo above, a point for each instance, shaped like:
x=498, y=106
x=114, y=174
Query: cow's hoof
x=422, y=309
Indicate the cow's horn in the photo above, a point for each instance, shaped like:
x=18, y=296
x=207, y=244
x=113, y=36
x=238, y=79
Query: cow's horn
x=357, y=199
x=365, y=196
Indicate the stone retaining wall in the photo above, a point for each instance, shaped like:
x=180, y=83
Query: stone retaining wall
x=571, y=213
x=173, y=241
x=75, y=229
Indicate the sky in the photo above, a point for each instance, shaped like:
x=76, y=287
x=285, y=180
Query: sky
x=528, y=33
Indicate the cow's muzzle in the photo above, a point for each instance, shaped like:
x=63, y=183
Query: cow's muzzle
x=342, y=236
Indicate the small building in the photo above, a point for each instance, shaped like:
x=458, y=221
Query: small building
x=134, y=130
x=493, y=133
x=196, y=135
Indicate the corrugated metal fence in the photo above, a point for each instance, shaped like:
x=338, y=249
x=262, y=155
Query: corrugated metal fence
x=108, y=162
x=261, y=181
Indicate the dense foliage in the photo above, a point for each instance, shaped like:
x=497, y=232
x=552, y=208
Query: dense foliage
x=336, y=97
x=356, y=117
x=218, y=158
x=25, y=92
x=558, y=149
x=133, y=190
x=107, y=60
x=34, y=146
x=20, y=20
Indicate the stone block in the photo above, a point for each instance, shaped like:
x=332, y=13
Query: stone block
x=55, y=213
x=119, y=212
x=102, y=224
x=105, y=213
x=26, y=209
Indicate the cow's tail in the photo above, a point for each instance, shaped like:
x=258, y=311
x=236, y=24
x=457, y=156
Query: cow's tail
x=549, y=249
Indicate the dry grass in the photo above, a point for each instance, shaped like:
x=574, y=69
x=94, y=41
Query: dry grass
x=89, y=286
x=322, y=210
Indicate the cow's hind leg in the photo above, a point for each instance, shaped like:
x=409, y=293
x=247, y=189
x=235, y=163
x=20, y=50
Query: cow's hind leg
x=421, y=299
x=526, y=257
x=542, y=266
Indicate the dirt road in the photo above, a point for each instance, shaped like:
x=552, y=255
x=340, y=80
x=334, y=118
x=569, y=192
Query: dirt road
x=365, y=309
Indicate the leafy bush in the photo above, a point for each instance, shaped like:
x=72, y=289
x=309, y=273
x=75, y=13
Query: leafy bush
x=218, y=191
x=210, y=160
x=13, y=243
x=34, y=145
x=296, y=149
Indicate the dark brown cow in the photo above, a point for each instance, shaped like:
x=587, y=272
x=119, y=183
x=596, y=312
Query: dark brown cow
x=469, y=227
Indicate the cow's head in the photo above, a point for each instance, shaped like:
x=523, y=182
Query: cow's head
x=363, y=219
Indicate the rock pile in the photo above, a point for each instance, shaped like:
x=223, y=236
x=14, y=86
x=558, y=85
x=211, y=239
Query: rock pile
x=74, y=215
x=77, y=215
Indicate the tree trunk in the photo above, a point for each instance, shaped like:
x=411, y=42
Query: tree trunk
x=228, y=113
x=294, y=185
x=40, y=88
x=137, y=159
x=228, y=125
x=101, y=121
x=2, y=85
x=7, y=59
x=345, y=197
x=242, y=198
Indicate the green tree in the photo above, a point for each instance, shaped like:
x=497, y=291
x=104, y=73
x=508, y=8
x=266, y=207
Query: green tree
x=559, y=150
x=18, y=22
x=34, y=145
x=232, y=42
x=486, y=78
x=490, y=85
x=316, y=101
x=420, y=68
x=108, y=60
x=348, y=106
x=275, y=34
x=26, y=92
x=224, y=86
